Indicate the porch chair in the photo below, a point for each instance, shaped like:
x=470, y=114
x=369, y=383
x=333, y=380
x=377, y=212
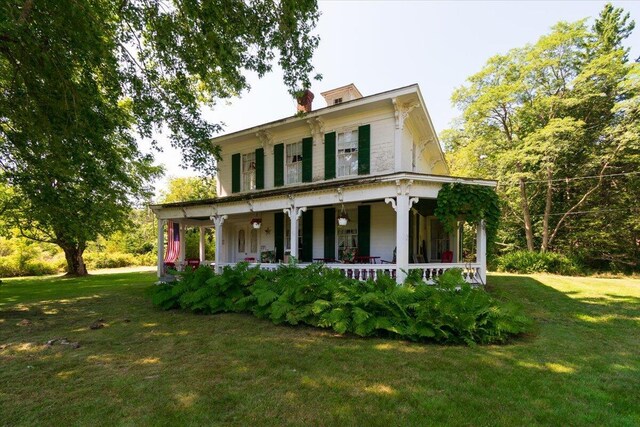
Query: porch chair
x=447, y=256
x=393, y=261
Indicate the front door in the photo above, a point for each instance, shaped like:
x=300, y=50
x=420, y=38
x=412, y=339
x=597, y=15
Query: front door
x=247, y=243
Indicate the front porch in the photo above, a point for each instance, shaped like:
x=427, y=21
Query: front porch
x=364, y=228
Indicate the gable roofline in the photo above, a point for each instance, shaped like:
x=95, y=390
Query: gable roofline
x=369, y=99
x=338, y=89
x=433, y=129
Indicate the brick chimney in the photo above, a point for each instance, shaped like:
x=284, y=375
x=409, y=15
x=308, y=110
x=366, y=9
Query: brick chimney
x=304, y=101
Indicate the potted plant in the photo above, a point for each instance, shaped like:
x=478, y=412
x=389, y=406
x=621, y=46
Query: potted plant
x=268, y=257
x=256, y=223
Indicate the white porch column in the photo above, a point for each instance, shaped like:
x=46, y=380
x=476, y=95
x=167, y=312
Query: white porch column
x=182, y=244
x=218, y=220
x=160, y=247
x=481, y=250
x=294, y=214
x=202, y=244
x=402, y=203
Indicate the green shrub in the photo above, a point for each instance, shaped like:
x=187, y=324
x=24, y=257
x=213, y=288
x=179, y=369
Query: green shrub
x=452, y=311
x=12, y=266
x=537, y=262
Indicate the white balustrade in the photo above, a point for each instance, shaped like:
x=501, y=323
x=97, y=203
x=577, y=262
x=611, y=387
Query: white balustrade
x=428, y=272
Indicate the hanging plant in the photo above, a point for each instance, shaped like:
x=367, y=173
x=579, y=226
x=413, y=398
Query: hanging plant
x=471, y=204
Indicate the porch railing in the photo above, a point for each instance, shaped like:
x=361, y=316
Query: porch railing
x=428, y=272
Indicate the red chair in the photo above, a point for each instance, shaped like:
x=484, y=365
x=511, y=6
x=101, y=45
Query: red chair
x=193, y=263
x=447, y=256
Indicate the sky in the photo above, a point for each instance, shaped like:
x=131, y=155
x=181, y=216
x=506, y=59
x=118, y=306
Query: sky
x=382, y=45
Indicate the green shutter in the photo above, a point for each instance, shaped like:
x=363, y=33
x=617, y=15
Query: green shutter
x=259, y=168
x=278, y=235
x=278, y=165
x=364, y=149
x=330, y=233
x=235, y=173
x=307, y=156
x=364, y=230
x=307, y=236
x=329, y=155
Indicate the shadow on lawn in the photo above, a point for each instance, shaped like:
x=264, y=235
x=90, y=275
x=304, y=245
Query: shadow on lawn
x=581, y=357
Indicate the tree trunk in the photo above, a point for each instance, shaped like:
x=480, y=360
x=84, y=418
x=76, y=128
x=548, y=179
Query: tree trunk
x=528, y=230
x=75, y=263
x=547, y=213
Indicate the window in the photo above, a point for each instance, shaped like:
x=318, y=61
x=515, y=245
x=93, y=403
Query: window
x=253, y=242
x=347, y=158
x=337, y=101
x=293, y=163
x=249, y=171
x=241, y=240
x=348, y=235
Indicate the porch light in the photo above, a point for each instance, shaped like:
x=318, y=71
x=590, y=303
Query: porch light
x=256, y=223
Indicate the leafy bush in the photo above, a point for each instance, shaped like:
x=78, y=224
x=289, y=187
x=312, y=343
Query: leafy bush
x=450, y=312
x=537, y=262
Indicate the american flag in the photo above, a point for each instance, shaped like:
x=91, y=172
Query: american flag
x=173, y=242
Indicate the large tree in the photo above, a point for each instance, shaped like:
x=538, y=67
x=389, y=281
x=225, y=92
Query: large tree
x=82, y=80
x=548, y=120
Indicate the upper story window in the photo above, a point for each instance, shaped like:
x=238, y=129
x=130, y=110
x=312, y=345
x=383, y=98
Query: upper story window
x=293, y=163
x=347, y=156
x=337, y=101
x=249, y=171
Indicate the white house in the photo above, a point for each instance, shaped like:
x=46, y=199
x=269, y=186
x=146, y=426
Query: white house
x=359, y=177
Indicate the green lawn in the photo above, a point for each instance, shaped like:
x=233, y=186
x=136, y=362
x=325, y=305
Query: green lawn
x=579, y=366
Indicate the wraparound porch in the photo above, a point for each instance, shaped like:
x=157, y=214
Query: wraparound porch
x=388, y=220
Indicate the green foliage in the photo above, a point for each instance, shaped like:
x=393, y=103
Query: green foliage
x=83, y=81
x=469, y=203
x=537, y=262
x=182, y=189
x=452, y=311
x=556, y=123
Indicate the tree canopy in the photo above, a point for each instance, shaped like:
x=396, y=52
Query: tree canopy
x=81, y=82
x=556, y=123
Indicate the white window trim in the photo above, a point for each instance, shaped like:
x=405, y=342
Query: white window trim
x=357, y=153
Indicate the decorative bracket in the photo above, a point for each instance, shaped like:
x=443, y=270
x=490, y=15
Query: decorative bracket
x=316, y=126
x=402, y=111
x=218, y=220
x=391, y=201
x=398, y=187
x=266, y=138
x=413, y=201
x=407, y=187
x=299, y=211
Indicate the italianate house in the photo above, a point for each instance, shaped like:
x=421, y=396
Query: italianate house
x=352, y=185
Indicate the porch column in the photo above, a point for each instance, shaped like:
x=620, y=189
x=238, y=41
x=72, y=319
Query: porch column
x=294, y=214
x=218, y=220
x=402, y=203
x=202, y=244
x=160, y=247
x=481, y=250
x=183, y=245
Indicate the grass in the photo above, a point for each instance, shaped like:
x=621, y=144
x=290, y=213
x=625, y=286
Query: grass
x=580, y=365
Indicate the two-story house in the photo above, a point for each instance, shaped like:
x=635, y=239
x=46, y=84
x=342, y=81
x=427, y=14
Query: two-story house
x=353, y=185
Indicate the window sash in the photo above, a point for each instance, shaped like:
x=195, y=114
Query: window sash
x=347, y=153
x=249, y=171
x=293, y=163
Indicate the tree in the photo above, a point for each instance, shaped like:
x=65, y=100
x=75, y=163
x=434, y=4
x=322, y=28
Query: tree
x=542, y=120
x=81, y=81
x=182, y=189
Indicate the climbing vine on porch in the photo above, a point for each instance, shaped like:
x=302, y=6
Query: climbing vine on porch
x=469, y=203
